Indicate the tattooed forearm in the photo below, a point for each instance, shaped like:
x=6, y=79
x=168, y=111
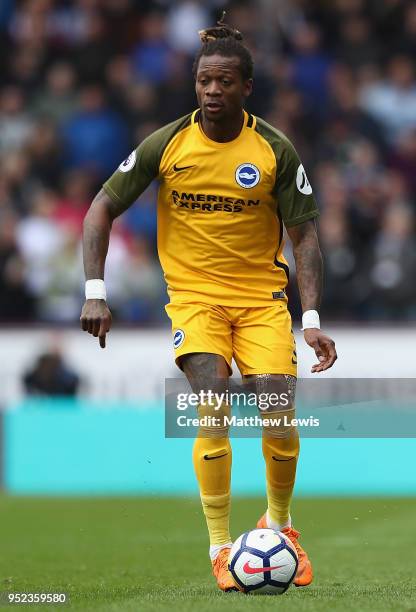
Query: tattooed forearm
x=308, y=261
x=96, y=235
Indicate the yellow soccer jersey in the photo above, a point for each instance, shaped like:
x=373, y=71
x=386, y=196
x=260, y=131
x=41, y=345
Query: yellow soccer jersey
x=221, y=208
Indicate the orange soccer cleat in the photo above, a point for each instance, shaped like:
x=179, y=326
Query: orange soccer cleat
x=304, y=575
x=221, y=572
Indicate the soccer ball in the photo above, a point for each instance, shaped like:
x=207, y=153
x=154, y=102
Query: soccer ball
x=263, y=561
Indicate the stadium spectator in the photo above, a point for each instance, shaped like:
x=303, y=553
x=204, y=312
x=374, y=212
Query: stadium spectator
x=15, y=122
x=384, y=99
x=6, y=11
x=186, y=16
x=60, y=298
x=403, y=159
x=152, y=55
x=19, y=182
x=76, y=189
x=141, y=219
x=26, y=67
x=39, y=240
x=51, y=377
x=95, y=137
x=142, y=290
x=391, y=264
x=311, y=66
x=45, y=153
x=357, y=45
x=93, y=53
x=57, y=100
x=16, y=301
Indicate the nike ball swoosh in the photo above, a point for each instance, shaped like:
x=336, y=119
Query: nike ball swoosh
x=257, y=570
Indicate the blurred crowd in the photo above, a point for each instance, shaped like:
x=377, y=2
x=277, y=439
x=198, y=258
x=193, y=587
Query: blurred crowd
x=82, y=82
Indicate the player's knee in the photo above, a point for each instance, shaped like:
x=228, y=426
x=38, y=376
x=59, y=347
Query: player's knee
x=276, y=404
x=214, y=419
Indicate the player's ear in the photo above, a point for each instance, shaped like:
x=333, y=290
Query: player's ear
x=247, y=87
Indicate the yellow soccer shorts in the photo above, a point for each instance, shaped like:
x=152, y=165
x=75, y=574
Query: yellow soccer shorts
x=259, y=338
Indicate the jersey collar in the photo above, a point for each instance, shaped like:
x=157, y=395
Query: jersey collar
x=248, y=123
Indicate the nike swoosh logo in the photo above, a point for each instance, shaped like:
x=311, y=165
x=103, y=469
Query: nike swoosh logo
x=179, y=168
x=276, y=459
x=259, y=570
x=207, y=457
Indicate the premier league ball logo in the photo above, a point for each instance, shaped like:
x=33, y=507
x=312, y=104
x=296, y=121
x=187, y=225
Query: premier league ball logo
x=128, y=163
x=247, y=175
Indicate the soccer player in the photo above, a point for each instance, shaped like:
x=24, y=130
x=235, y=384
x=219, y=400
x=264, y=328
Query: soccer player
x=229, y=183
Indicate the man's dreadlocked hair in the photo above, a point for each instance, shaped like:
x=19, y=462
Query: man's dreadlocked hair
x=224, y=40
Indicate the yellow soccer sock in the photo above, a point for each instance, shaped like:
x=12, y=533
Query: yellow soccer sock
x=212, y=463
x=281, y=455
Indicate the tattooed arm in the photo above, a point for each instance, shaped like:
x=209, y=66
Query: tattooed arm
x=308, y=261
x=96, y=235
x=96, y=316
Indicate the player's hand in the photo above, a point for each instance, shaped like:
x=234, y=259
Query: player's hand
x=324, y=348
x=96, y=319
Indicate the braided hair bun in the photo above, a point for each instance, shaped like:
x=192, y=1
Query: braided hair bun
x=221, y=30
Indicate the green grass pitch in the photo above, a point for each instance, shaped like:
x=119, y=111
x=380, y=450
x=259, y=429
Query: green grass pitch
x=150, y=554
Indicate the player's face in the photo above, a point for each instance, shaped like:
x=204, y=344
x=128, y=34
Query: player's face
x=220, y=88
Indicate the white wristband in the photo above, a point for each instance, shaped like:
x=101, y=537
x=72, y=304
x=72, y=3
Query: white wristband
x=310, y=320
x=95, y=289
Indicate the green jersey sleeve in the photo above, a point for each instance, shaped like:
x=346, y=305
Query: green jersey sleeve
x=295, y=200
x=141, y=167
